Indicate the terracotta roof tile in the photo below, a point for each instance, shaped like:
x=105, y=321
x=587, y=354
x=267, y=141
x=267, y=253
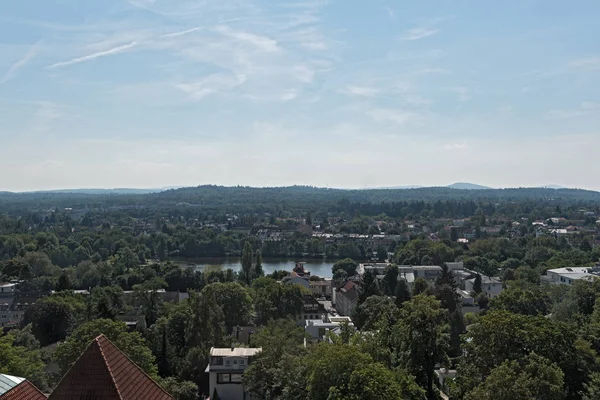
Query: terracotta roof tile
x=24, y=391
x=105, y=372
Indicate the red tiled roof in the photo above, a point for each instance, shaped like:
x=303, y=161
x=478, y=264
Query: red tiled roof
x=24, y=391
x=103, y=372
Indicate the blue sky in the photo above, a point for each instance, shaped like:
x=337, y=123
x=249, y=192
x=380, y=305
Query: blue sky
x=338, y=93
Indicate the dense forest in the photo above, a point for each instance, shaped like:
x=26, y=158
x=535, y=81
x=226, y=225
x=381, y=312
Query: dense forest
x=84, y=261
x=240, y=199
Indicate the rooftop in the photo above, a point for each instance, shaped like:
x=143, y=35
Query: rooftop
x=8, y=382
x=105, y=372
x=15, y=388
x=487, y=280
x=235, y=352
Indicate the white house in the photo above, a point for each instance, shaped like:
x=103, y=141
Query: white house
x=567, y=276
x=317, y=329
x=490, y=286
x=226, y=367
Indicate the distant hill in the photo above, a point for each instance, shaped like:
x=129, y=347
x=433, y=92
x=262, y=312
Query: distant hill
x=210, y=198
x=552, y=187
x=467, y=186
x=104, y=191
x=401, y=187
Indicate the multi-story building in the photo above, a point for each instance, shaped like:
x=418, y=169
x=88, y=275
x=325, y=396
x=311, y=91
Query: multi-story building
x=346, y=298
x=321, y=288
x=567, y=276
x=226, y=367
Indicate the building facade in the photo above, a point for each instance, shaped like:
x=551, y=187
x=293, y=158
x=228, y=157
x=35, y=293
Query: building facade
x=226, y=367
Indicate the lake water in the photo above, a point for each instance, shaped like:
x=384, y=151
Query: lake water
x=314, y=266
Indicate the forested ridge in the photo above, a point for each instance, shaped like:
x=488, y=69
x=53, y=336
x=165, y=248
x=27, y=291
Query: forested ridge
x=293, y=196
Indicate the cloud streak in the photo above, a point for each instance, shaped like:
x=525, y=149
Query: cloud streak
x=93, y=56
x=20, y=64
x=419, y=33
x=261, y=42
x=361, y=91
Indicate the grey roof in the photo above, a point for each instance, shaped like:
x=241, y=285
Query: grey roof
x=235, y=352
x=7, y=382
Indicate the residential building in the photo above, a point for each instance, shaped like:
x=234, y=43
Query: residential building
x=467, y=302
x=346, y=298
x=295, y=279
x=427, y=272
x=407, y=274
x=492, y=287
x=104, y=372
x=300, y=270
x=8, y=289
x=226, y=367
x=567, y=276
x=15, y=388
x=321, y=288
x=311, y=310
x=14, y=304
x=317, y=329
x=376, y=268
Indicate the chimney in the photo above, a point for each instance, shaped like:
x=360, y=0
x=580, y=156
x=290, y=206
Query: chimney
x=232, y=346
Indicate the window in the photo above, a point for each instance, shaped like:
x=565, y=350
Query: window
x=235, y=362
x=227, y=362
x=242, y=362
x=229, y=378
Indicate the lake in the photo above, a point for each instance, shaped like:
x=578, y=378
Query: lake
x=318, y=267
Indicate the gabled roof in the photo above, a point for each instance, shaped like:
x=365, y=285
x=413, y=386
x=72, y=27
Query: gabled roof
x=23, y=391
x=7, y=382
x=103, y=372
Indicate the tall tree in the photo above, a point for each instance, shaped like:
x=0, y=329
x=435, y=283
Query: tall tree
x=247, y=258
x=477, y=284
x=308, y=219
x=535, y=378
x=258, y=267
x=402, y=293
x=131, y=343
x=390, y=280
x=421, y=339
x=369, y=287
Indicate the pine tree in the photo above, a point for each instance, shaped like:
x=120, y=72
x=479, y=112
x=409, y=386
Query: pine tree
x=258, y=268
x=64, y=283
x=402, y=292
x=477, y=284
x=247, y=258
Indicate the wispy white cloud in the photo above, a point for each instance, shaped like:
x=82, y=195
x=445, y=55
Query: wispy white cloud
x=260, y=42
x=20, y=64
x=399, y=117
x=289, y=95
x=462, y=93
x=181, y=33
x=590, y=63
x=456, y=146
x=303, y=73
x=212, y=84
x=361, y=91
x=428, y=71
x=391, y=13
x=419, y=33
x=93, y=56
x=586, y=108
